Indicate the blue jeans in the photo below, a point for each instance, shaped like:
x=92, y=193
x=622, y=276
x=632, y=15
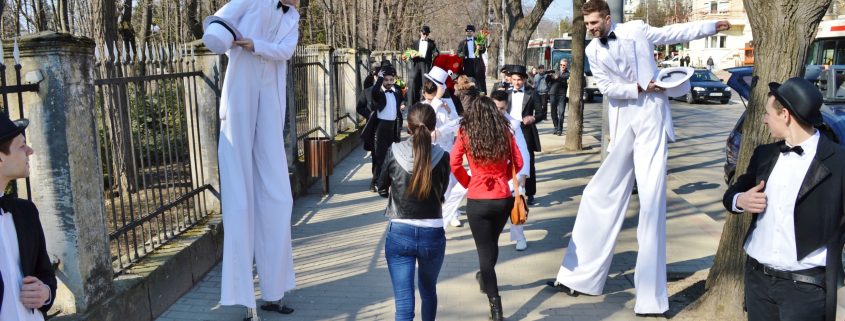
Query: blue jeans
x=406, y=247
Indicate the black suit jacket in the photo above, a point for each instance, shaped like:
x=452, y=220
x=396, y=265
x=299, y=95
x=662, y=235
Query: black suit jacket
x=31, y=245
x=463, y=49
x=531, y=106
x=429, y=54
x=819, y=207
x=370, y=102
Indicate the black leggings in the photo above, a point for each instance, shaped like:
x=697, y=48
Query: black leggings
x=487, y=218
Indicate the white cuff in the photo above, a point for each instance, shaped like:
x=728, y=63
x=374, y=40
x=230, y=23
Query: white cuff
x=733, y=204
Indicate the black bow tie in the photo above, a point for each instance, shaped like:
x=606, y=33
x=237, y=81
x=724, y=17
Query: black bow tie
x=518, y=90
x=4, y=204
x=786, y=149
x=610, y=36
x=469, y=39
x=283, y=7
x=389, y=91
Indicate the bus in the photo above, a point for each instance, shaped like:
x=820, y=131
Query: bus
x=538, y=53
x=562, y=49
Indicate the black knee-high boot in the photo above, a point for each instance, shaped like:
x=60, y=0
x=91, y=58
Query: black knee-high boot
x=495, y=308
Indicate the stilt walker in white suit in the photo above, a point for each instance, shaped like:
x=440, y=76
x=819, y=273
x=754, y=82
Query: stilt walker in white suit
x=259, y=36
x=621, y=59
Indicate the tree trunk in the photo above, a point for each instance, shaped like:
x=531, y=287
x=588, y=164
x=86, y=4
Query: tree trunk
x=40, y=15
x=783, y=31
x=193, y=21
x=146, y=26
x=575, y=125
x=518, y=28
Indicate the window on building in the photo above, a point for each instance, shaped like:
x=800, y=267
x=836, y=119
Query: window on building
x=713, y=42
x=718, y=7
x=714, y=7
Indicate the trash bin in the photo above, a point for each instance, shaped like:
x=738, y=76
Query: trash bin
x=318, y=159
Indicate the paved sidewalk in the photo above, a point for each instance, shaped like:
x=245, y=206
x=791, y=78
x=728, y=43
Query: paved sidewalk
x=338, y=239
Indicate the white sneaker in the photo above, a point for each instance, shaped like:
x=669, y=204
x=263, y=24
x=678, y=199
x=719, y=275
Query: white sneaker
x=521, y=245
x=456, y=222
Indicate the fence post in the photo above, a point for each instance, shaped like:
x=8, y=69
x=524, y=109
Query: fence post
x=347, y=85
x=66, y=172
x=208, y=89
x=322, y=85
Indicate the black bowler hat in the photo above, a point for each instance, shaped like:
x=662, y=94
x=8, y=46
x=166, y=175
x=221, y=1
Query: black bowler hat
x=386, y=63
x=425, y=30
x=518, y=70
x=388, y=70
x=801, y=98
x=470, y=28
x=10, y=129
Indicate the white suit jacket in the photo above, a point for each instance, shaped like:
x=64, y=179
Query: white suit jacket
x=252, y=17
x=629, y=61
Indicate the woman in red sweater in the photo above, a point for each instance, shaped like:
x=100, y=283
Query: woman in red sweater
x=486, y=140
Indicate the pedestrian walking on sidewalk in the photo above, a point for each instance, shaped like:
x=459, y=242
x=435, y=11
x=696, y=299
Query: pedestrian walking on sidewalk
x=524, y=104
x=486, y=141
x=254, y=181
x=621, y=58
x=793, y=189
x=413, y=178
x=500, y=98
x=558, y=83
x=426, y=50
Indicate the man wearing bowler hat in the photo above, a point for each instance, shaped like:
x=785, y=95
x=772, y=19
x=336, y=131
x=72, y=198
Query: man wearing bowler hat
x=794, y=191
x=524, y=104
x=473, y=64
x=421, y=64
x=255, y=187
x=27, y=279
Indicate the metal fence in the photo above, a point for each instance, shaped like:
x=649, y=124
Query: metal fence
x=143, y=109
x=17, y=89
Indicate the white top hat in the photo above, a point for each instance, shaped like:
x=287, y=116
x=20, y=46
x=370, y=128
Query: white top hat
x=437, y=75
x=219, y=34
x=675, y=80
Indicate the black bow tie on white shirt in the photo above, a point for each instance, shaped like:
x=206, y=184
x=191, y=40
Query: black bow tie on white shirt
x=283, y=7
x=610, y=36
x=518, y=90
x=389, y=91
x=786, y=149
x=4, y=204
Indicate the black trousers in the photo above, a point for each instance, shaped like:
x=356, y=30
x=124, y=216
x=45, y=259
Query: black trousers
x=768, y=298
x=486, y=219
x=558, y=111
x=385, y=136
x=415, y=82
x=474, y=67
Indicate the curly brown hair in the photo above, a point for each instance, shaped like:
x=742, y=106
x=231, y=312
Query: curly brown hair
x=487, y=131
x=463, y=83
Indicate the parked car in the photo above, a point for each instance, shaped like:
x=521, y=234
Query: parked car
x=671, y=62
x=705, y=86
x=833, y=110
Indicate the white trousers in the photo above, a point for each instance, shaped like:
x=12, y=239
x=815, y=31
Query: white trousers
x=256, y=194
x=455, y=194
x=639, y=150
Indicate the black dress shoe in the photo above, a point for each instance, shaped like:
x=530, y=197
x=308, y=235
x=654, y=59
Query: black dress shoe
x=373, y=188
x=276, y=307
x=562, y=288
x=651, y=315
x=530, y=200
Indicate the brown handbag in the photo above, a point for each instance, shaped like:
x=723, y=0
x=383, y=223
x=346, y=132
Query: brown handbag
x=519, y=212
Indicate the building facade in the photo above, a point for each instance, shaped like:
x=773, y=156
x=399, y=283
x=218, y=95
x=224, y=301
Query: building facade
x=729, y=48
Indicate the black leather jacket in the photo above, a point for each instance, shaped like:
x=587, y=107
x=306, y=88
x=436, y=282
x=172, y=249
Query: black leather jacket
x=395, y=177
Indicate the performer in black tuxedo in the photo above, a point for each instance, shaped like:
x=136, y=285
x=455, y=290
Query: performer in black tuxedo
x=382, y=104
x=524, y=103
x=794, y=191
x=28, y=281
x=420, y=65
x=473, y=64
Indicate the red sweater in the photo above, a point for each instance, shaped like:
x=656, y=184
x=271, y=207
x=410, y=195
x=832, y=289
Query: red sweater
x=488, y=181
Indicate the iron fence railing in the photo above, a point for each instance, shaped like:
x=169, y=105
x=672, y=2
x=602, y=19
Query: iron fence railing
x=16, y=90
x=153, y=192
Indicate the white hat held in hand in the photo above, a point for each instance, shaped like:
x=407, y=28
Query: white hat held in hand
x=219, y=34
x=675, y=80
x=437, y=75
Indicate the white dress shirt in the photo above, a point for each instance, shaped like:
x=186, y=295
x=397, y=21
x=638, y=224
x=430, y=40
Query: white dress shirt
x=471, y=48
x=389, y=111
x=10, y=269
x=423, y=47
x=516, y=103
x=773, y=240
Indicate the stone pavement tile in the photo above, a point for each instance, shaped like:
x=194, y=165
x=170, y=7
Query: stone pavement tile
x=338, y=241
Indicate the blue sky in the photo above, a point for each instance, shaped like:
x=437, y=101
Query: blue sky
x=558, y=10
